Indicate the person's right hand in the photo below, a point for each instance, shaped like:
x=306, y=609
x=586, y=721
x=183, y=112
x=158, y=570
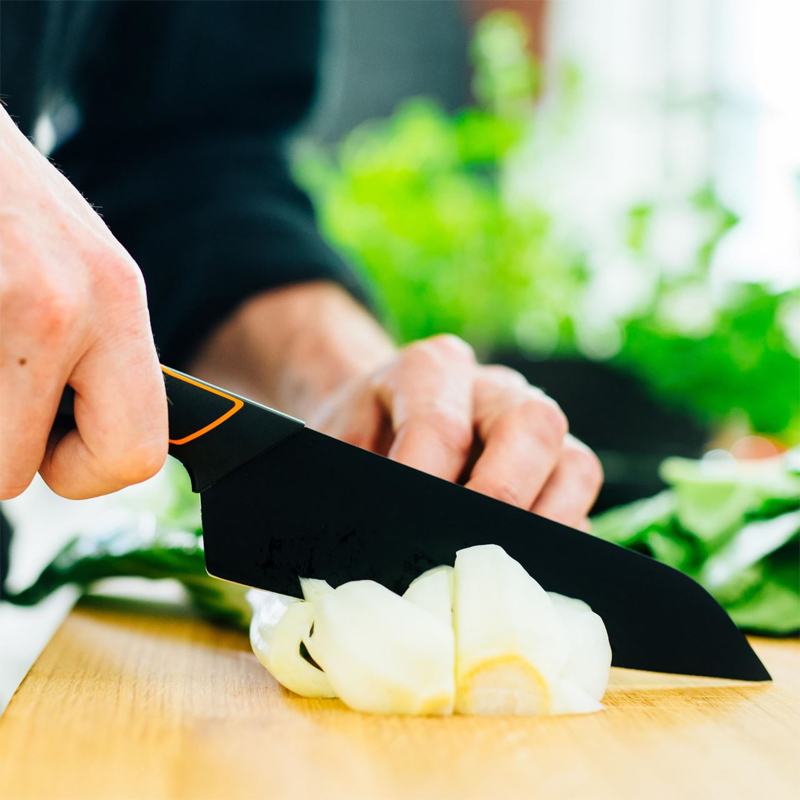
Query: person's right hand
x=72, y=311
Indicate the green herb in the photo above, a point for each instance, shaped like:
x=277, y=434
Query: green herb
x=142, y=550
x=734, y=526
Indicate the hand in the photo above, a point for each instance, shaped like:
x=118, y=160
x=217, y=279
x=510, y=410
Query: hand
x=73, y=312
x=311, y=351
x=434, y=408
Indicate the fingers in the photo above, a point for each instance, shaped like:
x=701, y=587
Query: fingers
x=523, y=432
x=428, y=395
x=436, y=398
x=120, y=410
x=28, y=407
x=41, y=326
x=573, y=486
x=355, y=416
x=529, y=460
x=73, y=311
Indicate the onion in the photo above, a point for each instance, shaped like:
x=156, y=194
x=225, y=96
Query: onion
x=314, y=588
x=481, y=638
x=433, y=591
x=511, y=645
x=589, y=664
x=277, y=629
x=383, y=653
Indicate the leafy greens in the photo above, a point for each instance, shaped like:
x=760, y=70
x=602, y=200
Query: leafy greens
x=734, y=526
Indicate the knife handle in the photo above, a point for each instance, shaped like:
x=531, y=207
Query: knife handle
x=211, y=430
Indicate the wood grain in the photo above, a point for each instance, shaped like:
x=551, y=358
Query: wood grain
x=144, y=701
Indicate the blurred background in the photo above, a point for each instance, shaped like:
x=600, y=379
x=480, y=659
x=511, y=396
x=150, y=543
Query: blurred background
x=603, y=194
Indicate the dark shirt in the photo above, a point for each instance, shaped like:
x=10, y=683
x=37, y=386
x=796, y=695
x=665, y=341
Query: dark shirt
x=183, y=113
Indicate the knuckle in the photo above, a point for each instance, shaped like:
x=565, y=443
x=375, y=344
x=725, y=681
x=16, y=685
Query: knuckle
x=505, y=491
x=453, y=346
x=53, y=308
x=451, y=428
x=543, y=418
x=553, y=417
x=443, y=347
x=120, y=278
x=503, y=375
x=137, y=464
x=418, y=354
x=586, y=467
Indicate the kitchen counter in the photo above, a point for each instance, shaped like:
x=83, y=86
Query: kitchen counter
x=136, y=699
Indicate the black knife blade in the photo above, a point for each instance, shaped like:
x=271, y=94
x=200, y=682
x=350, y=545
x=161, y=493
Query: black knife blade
x=280, y=501
x=316, y=507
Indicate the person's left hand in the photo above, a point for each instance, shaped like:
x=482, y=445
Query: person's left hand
x=433, y=407
x=313, y=352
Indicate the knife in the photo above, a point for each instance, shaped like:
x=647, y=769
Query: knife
x=280, y=501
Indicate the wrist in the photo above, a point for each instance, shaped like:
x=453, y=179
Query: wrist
x=292, y=348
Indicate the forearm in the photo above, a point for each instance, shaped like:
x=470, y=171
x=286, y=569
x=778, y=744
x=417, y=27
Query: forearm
x=293, y=347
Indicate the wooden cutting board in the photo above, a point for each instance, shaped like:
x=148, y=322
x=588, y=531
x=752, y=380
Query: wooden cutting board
x=134, y=700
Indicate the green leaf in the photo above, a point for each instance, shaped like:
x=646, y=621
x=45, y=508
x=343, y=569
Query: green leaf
x=674, y=547
x=630, y=524
x=716, y=496
x=751, y=544
x=140, y=550
x=775, y=605
x=733, y=526
x=506, y=74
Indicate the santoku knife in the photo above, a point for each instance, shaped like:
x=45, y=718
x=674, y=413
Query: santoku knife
x=280, y=501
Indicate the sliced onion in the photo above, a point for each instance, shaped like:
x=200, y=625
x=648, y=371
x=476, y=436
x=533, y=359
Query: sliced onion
x=589, y=664
x=314, y=588
x=382, y=653
x=433, y=591
x=511, y=646
x=483, y=638
x=277, y=629
x=569, y=698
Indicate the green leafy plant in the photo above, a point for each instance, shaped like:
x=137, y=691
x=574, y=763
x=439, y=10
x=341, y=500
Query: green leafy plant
x=164, y=543
x=140, y=551
x=428, y=205
x=734, y=526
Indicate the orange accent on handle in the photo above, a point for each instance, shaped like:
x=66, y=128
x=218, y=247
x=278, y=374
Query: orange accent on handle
x=237, y=405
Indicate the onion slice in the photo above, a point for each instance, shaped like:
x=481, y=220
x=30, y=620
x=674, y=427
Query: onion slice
x=382, y=653
x=277, y=629
x=589, y=664
x=433, y=591
x=511, y=646
x=314, y=588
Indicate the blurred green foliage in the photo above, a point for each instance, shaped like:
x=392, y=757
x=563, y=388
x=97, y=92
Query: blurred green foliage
x=422, y=203
x=732, y=526
x=135, y=550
